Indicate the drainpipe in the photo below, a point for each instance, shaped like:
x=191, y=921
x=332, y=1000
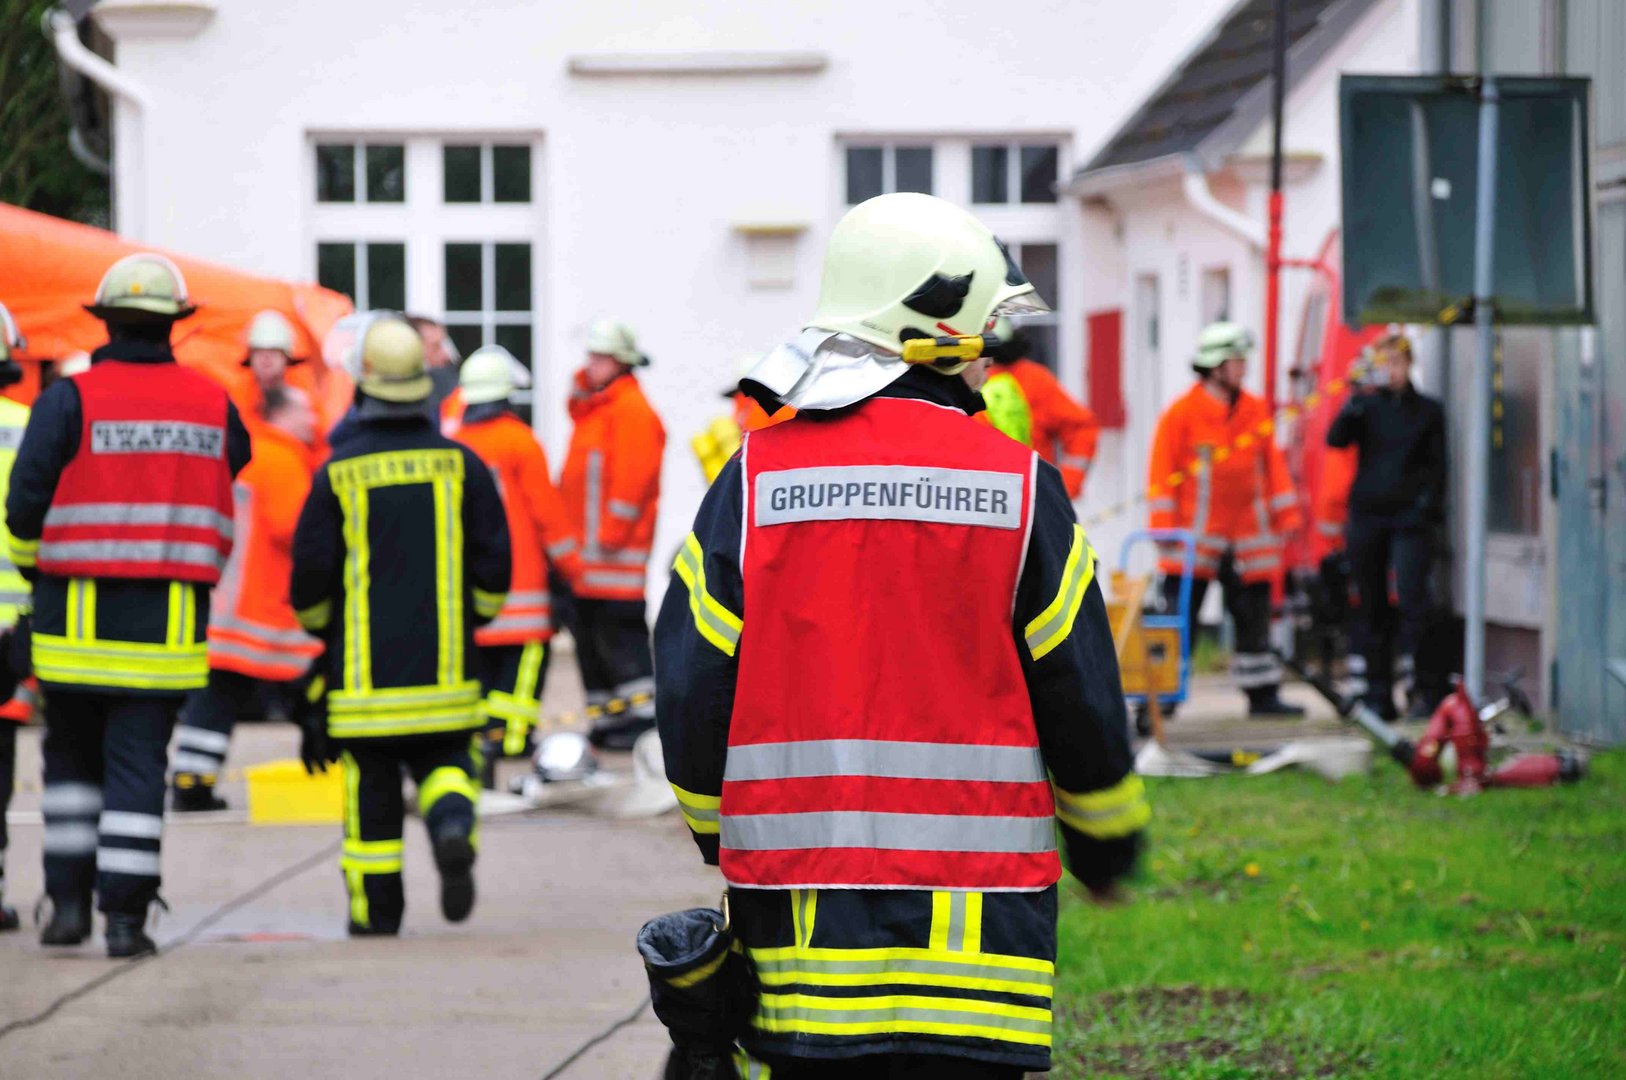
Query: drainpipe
x=63, y=31
x=1195, y=186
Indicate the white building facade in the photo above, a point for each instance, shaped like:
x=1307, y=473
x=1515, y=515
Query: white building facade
x=518, y=168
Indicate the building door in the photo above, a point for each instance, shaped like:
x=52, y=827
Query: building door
x=1590, y=475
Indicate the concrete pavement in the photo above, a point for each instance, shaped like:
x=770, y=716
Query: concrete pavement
x=258, y=978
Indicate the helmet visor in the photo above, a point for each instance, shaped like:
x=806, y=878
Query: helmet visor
x=1022, y=303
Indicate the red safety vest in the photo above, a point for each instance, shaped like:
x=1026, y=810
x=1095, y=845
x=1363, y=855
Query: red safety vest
x=149, y=492
x=882, y=735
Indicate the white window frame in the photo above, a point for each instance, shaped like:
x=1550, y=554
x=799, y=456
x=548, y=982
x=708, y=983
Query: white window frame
x=488, y=169
x=889, y=161
x=1013, y=168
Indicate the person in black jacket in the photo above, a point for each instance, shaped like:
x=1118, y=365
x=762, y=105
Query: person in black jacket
x=1396, y=502
x=401, y=551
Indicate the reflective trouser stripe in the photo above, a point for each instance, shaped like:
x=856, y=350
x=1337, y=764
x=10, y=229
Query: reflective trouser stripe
x=404, y=710
x=131, y=825
x=886, y=831
x=70, y=837
x=198, y=751
x=1250, y=670
x=903, y=1013
x=448, y=781
x=875, y=757
x=904, y=967
x=957, y=921
x=127, y=861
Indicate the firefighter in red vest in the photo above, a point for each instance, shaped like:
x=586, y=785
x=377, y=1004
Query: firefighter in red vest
x=120, y=509
x=14, y=604
x=885, y=676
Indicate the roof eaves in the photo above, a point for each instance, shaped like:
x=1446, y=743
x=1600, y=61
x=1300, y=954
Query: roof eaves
x=1253, y=108
x=1087, y=183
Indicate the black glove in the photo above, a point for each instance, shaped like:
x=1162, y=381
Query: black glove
x=309, y=711
x=19, y=651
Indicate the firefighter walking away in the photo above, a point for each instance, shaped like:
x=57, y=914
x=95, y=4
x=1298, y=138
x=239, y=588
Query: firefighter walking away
x=15, y=599
x=400, y=552
x=120, y=509
x=882, y=642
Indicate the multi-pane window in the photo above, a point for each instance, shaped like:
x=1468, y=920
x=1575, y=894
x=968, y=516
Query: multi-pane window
x=1014, y=173
x=372, y=274
x=488, y=296
x=360, y=172
x=486, y=172
x=1040, y=262
x=878, y=169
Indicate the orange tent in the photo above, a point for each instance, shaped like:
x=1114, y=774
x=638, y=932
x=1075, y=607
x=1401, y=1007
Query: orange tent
x=50, y=268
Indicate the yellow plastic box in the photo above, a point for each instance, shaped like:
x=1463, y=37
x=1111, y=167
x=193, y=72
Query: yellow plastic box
x=280, y=793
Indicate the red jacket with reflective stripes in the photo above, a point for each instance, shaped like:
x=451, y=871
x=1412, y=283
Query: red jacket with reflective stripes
x=538, y=527
x=252, y=627
x=1065, y=432
x=1233, y=488
x=611, y=485
x=827, y=719
x=148, y=495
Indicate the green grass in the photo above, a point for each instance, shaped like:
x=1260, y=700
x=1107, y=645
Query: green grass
x=1284, y=926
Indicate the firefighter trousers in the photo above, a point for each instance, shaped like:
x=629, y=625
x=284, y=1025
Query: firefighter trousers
x=204, y=733
x=445, y=769
x=511, y=679
x=1254, y=667
x=891, y=1067
x=105, y=758
x=1385, y=637
x=8, y=776
x=612, y=647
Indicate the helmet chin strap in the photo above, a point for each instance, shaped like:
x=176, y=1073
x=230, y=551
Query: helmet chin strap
x=960, y=349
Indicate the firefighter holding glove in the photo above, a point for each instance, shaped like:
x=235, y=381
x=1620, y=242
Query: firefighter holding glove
x=885, y=674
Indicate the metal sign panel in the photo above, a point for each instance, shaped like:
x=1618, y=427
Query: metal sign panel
x=1410, y=154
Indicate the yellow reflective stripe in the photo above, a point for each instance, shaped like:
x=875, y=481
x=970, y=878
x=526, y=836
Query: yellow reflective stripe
x=902, y=954
x=408, y=710
x=23, y=552
x=358, y=648
x=81, y=615
x=449, y=579
x=1115, y=811
x=956, y=922
x=444, y=781
x=940, y=921
x=715, y=622
x=391, y=467
x=183, y=617
x=973, y=922
x=488, y=604
x=316, y=617
x=955, y=1017
x=128, y=664
x=372, y=856
x=701, y=812
x=916, y=967
x=353, y=880
x=699, y=974
x=1055, y=622
x=804, y=907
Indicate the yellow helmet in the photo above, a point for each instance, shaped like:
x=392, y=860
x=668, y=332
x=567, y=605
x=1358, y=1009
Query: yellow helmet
x=392, y=367
x=907, y=266
x=142, y=287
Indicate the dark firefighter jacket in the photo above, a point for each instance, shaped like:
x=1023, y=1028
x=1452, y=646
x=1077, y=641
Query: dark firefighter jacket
x=168, y=620
x=400, y=553
x=847, y=971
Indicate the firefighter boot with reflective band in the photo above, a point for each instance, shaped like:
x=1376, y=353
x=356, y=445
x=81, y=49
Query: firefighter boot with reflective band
x=70, y=921
x=192, y=795
x=127, y=935
x=454, y=858
x=1266, y=701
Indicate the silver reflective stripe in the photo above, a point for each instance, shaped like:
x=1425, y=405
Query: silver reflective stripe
x=614, y=579
x=1075, y=461
x=1329, y=529
x=11, y=437
x=1259, y=513
x=248, y=653
x=132, y=551
x=111, y=860
x=621, y=556
x=626, y=511
x=131, y=825
x=191, y=761
x=956, y=922
x=201, y=739
x=1283, y=501
x=506, y=623
x=890, y=493
x=900, y=760
x=527, y=599
x=1251, y=670
x=887, y=832
x=266, y=634
x=70, y=838
x=191, y=517
x=595, y=492
x=562, y=548
x=72, y=799
x=1163, y=505
x=1254, y=543
x=16, y=599
x=1205, y=485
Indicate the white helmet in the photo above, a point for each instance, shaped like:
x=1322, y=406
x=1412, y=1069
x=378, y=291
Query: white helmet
x=269, y=330
x=75, y=363
x=491, y=373
x=11, y=338
x=610, y=338
x=145, y=285
x=908, y=266
x=1222, y=341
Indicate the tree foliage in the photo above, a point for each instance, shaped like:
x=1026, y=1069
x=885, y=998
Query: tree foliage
x=37, y=170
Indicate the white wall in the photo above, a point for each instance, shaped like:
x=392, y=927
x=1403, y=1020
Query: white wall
x=642, y=177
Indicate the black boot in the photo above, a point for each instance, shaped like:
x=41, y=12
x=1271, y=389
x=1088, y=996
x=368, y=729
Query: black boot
x=454, y=858
x=195, y=798
x=357, y=930
x=8, y=918
x=619, y=732
x=127, y=935
x=70, y=921
x=1266, y=701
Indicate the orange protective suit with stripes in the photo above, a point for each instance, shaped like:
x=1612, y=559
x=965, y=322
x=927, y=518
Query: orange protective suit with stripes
x=252, y=627
x=1234, y=491
x=611, y=485
x=539, y=528
x=1064, y=431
